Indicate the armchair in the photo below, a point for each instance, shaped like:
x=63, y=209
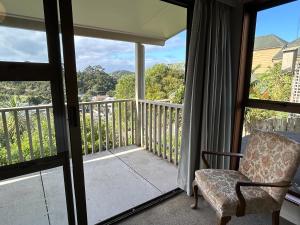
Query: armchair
x=260, y=184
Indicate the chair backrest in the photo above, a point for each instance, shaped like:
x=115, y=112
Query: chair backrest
x=270, y=157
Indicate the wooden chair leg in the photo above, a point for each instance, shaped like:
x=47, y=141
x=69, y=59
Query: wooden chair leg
x=275, y=217
x=224, y=220
x=195, y=192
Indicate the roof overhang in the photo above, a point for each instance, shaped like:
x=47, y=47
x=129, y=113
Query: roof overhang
x=143, y=21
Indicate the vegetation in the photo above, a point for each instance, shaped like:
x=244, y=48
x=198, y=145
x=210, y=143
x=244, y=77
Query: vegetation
x=25, y=93
x=120, y=73
x=125, y=88
x=272, y=85
x=48, y=147
x=93, y=81
x=162, y=82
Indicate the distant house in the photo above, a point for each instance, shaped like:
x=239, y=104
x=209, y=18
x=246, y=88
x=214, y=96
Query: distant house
x=290, y=58
x=289, y=55
x=265, y=48
x=100, y=98
x=271, y=49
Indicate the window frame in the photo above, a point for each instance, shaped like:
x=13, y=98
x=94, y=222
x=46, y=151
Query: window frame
x=243, y=83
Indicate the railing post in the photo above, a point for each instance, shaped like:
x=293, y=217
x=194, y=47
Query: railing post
x=139, y=87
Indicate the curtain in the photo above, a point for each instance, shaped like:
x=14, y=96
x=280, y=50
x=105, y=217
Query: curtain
x=207, y=113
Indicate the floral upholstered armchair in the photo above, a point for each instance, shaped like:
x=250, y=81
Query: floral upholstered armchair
x=259, y=186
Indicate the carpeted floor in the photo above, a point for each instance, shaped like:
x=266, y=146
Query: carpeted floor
x=176, y=211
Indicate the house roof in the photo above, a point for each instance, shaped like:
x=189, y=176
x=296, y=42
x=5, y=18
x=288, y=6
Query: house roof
x=268, y=41
x=292, y=45
x=144, y=21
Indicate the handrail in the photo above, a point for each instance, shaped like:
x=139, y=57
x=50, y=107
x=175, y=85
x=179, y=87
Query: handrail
x=106, y=102
x=7, y=109
x=25, y=108
x=178, y=106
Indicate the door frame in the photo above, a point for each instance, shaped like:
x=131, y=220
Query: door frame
x=68, y=48
x=67, y=31
x=52, y=72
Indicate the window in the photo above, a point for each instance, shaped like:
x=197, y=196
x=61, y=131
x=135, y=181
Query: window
x=22, y=40
x=269, y=90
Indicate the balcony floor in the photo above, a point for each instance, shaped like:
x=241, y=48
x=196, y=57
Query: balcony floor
x=115, y=181
x=177, y=211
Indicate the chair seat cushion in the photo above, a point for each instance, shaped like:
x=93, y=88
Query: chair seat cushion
x=218, y=188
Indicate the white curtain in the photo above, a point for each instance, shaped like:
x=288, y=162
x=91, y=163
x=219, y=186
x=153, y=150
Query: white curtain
x=207, y=110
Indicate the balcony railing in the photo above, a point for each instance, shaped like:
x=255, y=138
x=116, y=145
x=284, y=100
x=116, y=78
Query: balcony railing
x=28, y=133
x=161, y=128
x=283, y=125
x=107, y=124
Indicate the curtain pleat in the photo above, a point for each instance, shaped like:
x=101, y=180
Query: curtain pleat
x=208, y=96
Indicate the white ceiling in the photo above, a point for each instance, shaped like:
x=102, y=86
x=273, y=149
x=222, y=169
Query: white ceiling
x=146, y=21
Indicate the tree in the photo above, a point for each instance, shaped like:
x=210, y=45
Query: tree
x=162, y=82
x=125, y=88
x=165, y=82
x=272, y=85
x=94, y=81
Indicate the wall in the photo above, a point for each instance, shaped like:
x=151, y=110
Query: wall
x=264, y=59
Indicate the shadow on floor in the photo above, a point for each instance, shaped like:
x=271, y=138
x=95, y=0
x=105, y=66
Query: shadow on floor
x=177, y=211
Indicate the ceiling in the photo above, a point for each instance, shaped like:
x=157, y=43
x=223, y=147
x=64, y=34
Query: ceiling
x=144, y=21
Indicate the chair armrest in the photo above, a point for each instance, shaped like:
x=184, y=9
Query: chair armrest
x=242, y=202
x=228, y=154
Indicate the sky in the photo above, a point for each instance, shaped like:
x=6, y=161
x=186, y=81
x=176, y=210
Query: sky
x=284, y=21
x=118, y=55
x=24, y=45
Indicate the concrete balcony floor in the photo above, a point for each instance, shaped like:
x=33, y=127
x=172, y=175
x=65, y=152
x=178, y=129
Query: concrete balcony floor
x=115, y=181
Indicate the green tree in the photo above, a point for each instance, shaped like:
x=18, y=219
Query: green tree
x=93, y=80
x=125, y=88
x=272, y=85
x=162, y=82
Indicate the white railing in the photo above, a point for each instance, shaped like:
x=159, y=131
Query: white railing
x=28, y=133
x=161, y=128
x=107, y=124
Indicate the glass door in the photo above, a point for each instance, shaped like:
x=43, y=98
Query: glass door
x=35, y=177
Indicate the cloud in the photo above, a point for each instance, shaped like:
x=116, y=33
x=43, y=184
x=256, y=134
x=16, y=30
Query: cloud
x=26, y=45
x=112, y=55
x=22, y=45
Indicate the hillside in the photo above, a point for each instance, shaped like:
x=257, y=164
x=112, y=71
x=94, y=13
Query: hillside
x=119, y=73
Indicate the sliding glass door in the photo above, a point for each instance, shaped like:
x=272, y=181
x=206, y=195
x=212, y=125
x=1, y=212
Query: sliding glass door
x=35, y=178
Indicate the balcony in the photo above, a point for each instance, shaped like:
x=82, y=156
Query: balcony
x=112, y=156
